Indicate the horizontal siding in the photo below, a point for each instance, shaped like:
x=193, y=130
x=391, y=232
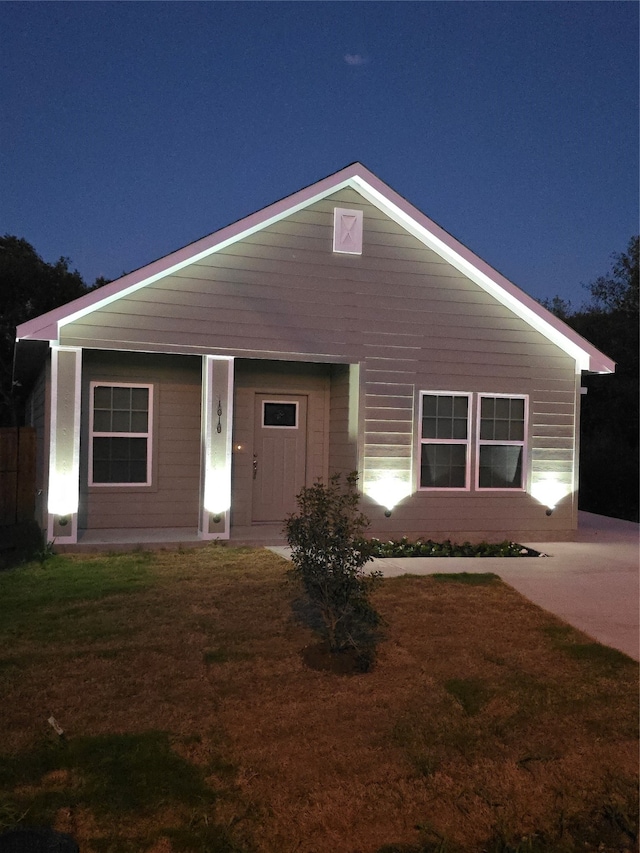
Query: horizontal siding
x=173, y=498
x=411, y=321
x=342, y=448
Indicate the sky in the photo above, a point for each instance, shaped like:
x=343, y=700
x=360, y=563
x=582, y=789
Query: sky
x=130, y=129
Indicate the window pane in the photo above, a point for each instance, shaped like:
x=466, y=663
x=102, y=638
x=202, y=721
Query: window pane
x=100, y=471
x=280, y=414
x=429, y=405
x=119, y=471
x=444, y=416
x=121, y=422
x=137, y=472
x=444, y=427
x=517, y=409
x=445, y=407
x=443, y=466
x=429, y=427
x=459, y=428
x=487, y=408
x=500, y=467
x=502, y=419
x=140, y=399
x=460, y=407
x=139, y=422
x=102, y=397
x=516, y=432
x=119, y=460
x=102, y=421
x=502, y=408
x=138, y=450
x=486, y=430
x=501, y=431
x=122, y=399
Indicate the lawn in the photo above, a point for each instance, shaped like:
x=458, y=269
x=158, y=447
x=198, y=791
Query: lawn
x=193, y=721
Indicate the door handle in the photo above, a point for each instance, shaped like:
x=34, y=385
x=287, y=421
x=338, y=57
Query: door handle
x=255, y=465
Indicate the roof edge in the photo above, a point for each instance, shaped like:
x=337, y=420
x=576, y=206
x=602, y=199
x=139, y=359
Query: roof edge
x=589, y=358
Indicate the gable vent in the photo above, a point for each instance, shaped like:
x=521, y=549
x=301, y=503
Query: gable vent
x=347, y=231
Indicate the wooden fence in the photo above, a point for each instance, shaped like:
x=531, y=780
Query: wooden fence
x=17, y=475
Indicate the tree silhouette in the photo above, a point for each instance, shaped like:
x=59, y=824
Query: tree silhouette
x=28, y=287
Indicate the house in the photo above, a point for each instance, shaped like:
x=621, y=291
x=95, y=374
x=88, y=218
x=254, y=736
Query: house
x=336, y=329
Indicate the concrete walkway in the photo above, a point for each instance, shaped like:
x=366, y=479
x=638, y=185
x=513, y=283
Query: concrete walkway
x=591, y=583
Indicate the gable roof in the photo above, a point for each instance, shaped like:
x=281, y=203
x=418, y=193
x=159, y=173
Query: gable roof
x=47, y=326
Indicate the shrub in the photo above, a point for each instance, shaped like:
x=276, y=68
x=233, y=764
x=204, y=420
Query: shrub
x=428, y=548
x=328, y=555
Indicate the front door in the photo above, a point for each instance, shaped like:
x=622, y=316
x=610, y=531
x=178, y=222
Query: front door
x=279, y=454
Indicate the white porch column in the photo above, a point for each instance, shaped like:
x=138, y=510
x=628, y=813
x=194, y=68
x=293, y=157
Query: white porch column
x=217, y=428
x=64, y=445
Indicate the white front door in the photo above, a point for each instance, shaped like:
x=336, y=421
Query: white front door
x=279, y=454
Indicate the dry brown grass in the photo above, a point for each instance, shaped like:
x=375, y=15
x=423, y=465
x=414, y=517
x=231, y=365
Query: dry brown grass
x=484, y=717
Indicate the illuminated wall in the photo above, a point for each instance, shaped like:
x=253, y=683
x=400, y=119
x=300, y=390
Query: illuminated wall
x=64, y=445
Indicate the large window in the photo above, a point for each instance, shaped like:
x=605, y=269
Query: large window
x=120, y=445
x=444, y=436
x=501, y=442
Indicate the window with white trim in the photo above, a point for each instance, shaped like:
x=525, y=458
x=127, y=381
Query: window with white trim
x=120, y=434
x=501, y=441
x=444, y=439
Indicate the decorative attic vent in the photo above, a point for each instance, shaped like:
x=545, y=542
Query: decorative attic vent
x=347, y=231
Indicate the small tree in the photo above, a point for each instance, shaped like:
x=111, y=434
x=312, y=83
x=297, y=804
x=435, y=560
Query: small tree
x=328, y=554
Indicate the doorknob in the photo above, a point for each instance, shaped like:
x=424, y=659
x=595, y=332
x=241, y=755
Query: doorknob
x=255, y=465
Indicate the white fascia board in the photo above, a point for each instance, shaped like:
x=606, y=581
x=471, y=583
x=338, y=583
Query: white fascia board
x=586, y=356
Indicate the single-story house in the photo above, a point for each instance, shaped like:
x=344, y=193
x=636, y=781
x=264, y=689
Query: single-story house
x=338, y=329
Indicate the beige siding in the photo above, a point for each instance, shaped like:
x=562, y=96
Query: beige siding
x=172, y=500
x=409, y=320
x=343, y=419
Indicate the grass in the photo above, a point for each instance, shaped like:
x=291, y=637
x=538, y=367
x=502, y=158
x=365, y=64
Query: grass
x=191, y=722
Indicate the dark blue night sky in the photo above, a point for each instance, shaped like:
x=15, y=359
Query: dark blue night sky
x=131, y=129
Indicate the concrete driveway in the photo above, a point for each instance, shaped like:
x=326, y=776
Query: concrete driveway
x=591, y=583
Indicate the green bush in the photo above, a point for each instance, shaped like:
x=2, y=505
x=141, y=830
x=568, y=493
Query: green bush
x=328, y=555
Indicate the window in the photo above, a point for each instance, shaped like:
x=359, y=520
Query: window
x=120, y=446
x=501, y=442
x=444, y=436
x=276, y=414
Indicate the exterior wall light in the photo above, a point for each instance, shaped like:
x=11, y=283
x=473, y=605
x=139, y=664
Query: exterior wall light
x=217, y=492
x=549, y=491
x=388, y=491
x=63, y=493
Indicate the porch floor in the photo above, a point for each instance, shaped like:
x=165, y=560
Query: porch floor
x=156, y=538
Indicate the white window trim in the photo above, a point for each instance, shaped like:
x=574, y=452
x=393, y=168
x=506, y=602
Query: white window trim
x=148, y=434
x=280, y=402
x=467, y=442
x=524, y=444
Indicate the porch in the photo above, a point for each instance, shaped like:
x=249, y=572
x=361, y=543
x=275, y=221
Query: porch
x=169, y=538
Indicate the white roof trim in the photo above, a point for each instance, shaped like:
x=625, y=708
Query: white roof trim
x=587, y=357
